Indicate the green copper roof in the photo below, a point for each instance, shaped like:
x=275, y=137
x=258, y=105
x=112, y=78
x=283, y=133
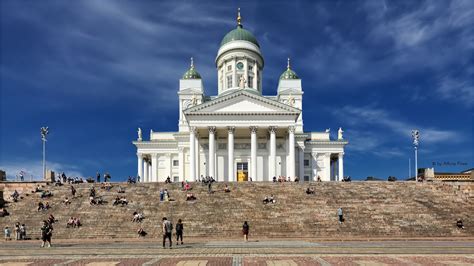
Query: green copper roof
x=191, y=73
x=289, y=74
x=239, y=34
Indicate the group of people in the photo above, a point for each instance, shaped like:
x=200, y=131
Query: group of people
x=167, y=229
x=73, y=222
x=270, y=199
x=120, y=201
x=164, y=195
x=284, y=179
x=20, y=232
x=137, y=217
x=43, y=207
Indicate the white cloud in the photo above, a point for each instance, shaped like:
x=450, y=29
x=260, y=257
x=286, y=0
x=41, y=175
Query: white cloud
x=34, y=169
x=369, y=116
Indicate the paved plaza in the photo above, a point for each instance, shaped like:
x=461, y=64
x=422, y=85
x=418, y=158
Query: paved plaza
x=233, y=252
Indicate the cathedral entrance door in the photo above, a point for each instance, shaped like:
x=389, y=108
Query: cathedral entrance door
x=242, y=172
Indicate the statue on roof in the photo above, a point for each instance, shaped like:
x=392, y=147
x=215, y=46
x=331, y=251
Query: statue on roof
x=339, y=133
x=139, y=131
x=194, y=100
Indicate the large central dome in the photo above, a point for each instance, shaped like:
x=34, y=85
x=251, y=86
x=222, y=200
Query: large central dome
x=239, y=34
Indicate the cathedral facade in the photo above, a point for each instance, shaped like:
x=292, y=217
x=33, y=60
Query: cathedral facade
x=240, y=134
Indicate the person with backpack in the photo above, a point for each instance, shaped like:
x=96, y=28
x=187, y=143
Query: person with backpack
x=167, y=228
x=179, y=231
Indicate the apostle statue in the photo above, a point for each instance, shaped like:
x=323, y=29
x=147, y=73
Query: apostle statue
x=242, y=82
x=339, y=133
x=139, y=134
x=194, y=100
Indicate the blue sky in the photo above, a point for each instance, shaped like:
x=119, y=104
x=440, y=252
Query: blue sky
x=94, y=71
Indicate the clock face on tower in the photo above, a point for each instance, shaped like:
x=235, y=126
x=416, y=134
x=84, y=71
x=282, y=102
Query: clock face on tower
x=240, y=66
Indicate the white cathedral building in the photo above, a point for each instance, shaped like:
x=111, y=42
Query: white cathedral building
x=240, y=134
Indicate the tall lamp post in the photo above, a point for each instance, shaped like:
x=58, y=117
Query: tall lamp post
x=415, y=134
x=44, y=133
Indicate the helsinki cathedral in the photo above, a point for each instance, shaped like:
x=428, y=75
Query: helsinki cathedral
x=240, y=134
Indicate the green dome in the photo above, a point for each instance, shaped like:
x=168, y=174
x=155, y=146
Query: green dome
x=289, y=74
x=239, y=34
x=191, y=73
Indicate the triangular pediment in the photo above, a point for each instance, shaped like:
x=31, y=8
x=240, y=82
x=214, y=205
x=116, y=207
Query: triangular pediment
x=242, y=102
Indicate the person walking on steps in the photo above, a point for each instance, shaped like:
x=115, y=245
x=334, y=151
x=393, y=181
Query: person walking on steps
x=245, y=231
x=167, y=228
x=340, y=214
x=46, y=233
x=179, y=231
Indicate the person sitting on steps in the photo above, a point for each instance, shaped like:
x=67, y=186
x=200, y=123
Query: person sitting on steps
x=40, y=206
x=4, y=212
x=121, y=189
x=46, y=194
x=66, y=201
x=190, y=197
x=141, y=232
x=137, y=217
x=226, y=189
x=460, y=224
x=92, y=201
x=70, y=222
x=310, y=191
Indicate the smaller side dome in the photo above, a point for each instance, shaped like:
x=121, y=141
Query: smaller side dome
x=289, y=74
x=191, y=73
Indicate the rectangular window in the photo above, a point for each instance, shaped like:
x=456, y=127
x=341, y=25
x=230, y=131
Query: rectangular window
x=175, y=162
x=175, y=179
x=306, y=178
x=250, y=67
x=250, y=85
x=306, y=162
x=229, y=81
x=229, y=68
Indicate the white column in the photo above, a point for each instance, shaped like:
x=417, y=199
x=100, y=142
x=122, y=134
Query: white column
x=253, y=152
x=301, y=161
x=327, y=167
x=148, y=178
x=144, y=178
x=291, y=153
x=314, y=166
x=192, y=153
x=181, y=164
x=272, y=159
x=255, y=68
x=212, y=132
x=231, y=176
x=170, y=164
x=140, y=165
x=341, y=165
x=154, y=167
x=197, y=156
x=235, y=82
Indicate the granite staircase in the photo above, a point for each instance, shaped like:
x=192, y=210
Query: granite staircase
x=371, y=210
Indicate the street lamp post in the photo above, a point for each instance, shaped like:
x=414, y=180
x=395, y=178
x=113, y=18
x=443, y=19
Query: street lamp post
x=416, y=138
x=44, y=132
